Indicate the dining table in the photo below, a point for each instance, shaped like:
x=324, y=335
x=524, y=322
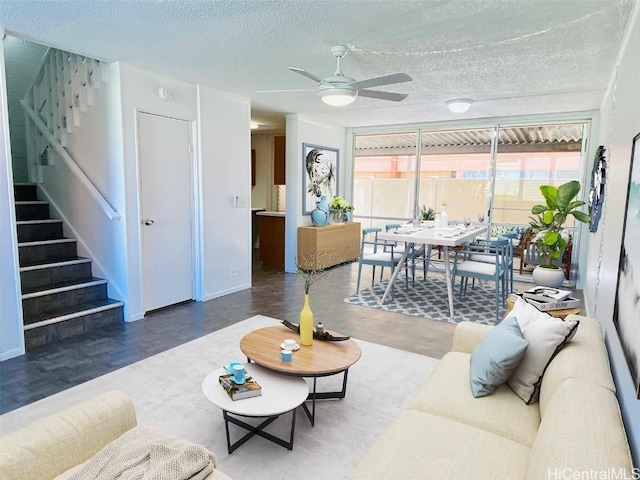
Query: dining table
x=429, y=236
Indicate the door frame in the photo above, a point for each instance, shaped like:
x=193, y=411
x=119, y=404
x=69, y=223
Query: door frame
x=195, y=170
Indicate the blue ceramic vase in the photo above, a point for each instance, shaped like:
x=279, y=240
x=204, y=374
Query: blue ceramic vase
x=320, y=215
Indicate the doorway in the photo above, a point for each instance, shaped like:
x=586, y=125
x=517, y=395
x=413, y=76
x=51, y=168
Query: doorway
x=166, y=210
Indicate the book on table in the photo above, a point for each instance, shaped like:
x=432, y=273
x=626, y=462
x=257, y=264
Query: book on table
x=569, y=302
x=546, y=294
x=250, y=387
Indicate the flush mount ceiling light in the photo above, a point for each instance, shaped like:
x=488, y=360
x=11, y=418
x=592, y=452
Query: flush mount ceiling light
x=254, y=125
x=337, y=96
x=459, y=105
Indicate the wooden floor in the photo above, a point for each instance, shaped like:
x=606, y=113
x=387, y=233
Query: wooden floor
x=54, y=368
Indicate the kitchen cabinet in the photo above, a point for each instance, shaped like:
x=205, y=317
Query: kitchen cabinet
x=333, y=244
x=279, y=161
x=271, y=238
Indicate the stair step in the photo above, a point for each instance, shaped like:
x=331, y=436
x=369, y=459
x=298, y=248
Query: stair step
x=39, y=275
x=60, y=287
x=69, y=312
x=75, y=320
x=49, y=301
x=25, y=191
x=45, y=251
x=33, y=230
x=32, y=210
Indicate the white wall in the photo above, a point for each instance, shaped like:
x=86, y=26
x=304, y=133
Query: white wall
x=302, y=129
x=620, y=122
x=11, y=336
x=96, y=146
x=225, y=149
x=139, y=90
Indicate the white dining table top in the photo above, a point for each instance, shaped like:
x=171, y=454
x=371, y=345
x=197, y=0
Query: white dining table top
x=448, y=236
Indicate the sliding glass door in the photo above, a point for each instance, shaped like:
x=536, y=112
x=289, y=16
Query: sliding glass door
x=495, y=171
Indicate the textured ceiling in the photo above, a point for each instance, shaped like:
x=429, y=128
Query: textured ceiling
x=513, y=57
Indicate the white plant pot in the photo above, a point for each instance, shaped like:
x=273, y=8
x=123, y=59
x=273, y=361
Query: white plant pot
x=548, y=277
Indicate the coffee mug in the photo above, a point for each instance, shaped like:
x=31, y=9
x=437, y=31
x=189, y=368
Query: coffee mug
x=230, y=367
x=290, y=344
x=238, y=373
x=286, y=355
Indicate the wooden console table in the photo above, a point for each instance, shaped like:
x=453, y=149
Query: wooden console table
x=333, y=244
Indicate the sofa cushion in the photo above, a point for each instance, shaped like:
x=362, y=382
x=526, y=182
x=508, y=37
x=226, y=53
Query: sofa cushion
x=54, y=444
x=498, y=355
x=447, y=394
x=418, y=445
x=546, y=336
x=581, y=432
x=584, y=357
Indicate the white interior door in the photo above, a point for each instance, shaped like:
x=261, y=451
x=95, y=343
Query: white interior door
x=165, y=180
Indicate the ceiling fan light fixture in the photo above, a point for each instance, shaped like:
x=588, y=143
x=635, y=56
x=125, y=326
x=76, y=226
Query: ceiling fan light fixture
x=459, y=105
x=338, y=97
x=254, y=125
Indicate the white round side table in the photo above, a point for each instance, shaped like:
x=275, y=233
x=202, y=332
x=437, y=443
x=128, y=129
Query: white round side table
x=280, y=394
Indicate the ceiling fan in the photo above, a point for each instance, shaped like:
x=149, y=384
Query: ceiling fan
x=339, y=90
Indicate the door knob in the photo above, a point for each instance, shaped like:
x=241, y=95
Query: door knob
x=148, y=221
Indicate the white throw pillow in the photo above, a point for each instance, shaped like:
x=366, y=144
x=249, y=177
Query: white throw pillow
x=546, y=336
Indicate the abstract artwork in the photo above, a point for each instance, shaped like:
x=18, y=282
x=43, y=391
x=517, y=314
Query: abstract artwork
x=596, y=194
x=626, y=313
x=319, y=175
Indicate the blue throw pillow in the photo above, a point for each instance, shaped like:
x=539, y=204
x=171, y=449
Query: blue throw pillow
x=496, y=357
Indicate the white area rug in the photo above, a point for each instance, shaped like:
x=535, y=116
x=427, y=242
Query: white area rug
x=166, y=391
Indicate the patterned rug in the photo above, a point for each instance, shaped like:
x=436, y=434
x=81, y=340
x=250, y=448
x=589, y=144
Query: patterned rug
x=428, y=299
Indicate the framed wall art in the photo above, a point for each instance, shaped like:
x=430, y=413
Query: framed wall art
x=319, y=175
x=626, y=312
x=596, y=194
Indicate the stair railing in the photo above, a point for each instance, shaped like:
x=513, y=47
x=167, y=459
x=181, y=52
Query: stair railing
x=61, y=90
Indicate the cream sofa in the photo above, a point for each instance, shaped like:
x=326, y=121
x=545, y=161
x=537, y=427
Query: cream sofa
x=446, y=433
x=56, y=446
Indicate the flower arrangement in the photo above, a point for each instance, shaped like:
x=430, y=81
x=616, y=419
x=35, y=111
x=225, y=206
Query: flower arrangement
x=560, y=203
x=340, y=204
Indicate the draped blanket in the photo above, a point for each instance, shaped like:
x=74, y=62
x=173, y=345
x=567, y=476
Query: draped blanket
x=146, y=453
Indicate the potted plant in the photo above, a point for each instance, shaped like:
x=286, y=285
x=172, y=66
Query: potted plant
x=339, y=206
x=428, y=214
x=548, y=224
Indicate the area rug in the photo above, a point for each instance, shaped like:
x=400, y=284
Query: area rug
x=429, y=299
x=166, y=391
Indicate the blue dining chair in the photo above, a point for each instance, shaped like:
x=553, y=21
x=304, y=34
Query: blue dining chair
x=415, y=255
x=495, y=270
x=383, y=255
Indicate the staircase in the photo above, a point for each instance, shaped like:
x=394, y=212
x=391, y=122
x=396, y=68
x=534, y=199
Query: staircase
x=60, y=296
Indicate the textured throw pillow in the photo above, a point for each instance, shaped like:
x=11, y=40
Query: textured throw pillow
x=496, y=357
x=546, y=336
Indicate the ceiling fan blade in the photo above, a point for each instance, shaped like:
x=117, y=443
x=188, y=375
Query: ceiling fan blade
x=304, y=73
x=394, y=97
x=379, y=81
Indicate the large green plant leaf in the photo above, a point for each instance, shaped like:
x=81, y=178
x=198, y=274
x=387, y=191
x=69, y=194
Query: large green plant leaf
x=574, y=204
x=550, y=194
x=582, y=217
x=551, y=237
x=537, y=209
x=566, y=192
x=547, y=218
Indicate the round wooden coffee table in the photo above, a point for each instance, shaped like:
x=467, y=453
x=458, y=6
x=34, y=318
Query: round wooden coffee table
x=321, y=359
x=554, y=313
